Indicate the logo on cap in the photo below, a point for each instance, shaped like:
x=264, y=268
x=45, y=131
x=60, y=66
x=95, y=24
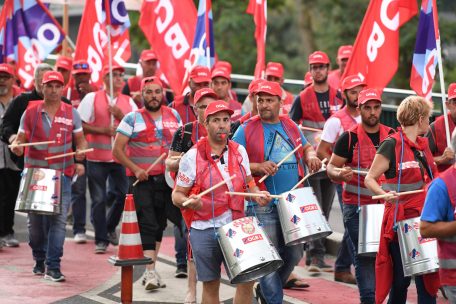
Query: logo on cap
x=317, y=56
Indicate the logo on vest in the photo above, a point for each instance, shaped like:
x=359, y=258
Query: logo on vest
x=63, y=120
x=409, y=165
x=230, y=233
x=238, y=252
x=308, y=208
x=414, y=254
x=295, y=219
x=252, y=238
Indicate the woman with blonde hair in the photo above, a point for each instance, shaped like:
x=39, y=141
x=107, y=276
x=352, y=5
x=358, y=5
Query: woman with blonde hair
x=407, y=164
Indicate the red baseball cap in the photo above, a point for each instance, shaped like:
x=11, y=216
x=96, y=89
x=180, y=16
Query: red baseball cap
x=81, y=67
x=64, y=62
x=223, y=65
x=217, y=106
x=204, y=92
x=344, y=51
x=352, y=81
x=6, y=68
x=114, y=67
x=253, y=86
x=274, y=69
x=452, y=91
x=369, y=94
x=147, y=55
x=152, y=79
x=318, y=57
x=50, y=76
x=221, y=72
x=270, y=87
x=308, y=78
x=200, y=74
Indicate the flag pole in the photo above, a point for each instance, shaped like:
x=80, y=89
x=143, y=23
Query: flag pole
x=442, y=90
x=111, y=89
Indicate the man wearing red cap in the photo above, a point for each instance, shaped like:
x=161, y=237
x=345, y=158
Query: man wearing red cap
x=268, y=138
x=149, y=67
x=9, y=172
x=251, y=99
x=221, y=84
x=225, y=65
x=343, y=54
x=80, y=83
x=45, y=120
x=200, y=77
x=443, y=156
x=146, y=134
x=214, y=159
x=63, y=66
x=100, y=115
x=340, y=122
x=355, y=150
x=274, y=72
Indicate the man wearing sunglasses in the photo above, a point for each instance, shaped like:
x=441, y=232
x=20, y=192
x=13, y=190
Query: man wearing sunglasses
x=100, y=116
x=142, y=136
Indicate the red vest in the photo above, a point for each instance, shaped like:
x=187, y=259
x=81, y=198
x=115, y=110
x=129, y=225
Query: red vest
x=185, y=111
x=245, y=117
x=439, y=136
x=207, y=175
x=145, y=148
x=102, y=143
x=287, y=99
x=366, y=150
x=237, y=109
x=447, y=246
x=61, y=131
x=346, y=120
x=254, y=138
x=311, y=112
x=198, y=131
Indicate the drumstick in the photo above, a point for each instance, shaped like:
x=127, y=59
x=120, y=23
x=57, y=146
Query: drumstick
x=399, y=194
x=209, y=190
x=310, y=129
x=307, y=176
x=68, y=154
x=282, y=161
x=176, y=157
x=253, y=194
x=151, y=166
x=354, y=171
x=38, y=143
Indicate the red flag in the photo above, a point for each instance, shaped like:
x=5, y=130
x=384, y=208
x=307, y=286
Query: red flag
x=258, y=8
x=376, y=50
x=169, y=26
x=92, y=43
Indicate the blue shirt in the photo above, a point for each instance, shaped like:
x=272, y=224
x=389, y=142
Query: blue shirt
x=276, y=146
x=437, y=206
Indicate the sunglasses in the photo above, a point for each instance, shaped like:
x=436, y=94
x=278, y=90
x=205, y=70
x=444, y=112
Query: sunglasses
x=81, y=66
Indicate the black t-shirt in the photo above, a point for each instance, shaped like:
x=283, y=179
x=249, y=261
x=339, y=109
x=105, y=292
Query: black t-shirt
x=182, y=142
x=388, y=150
x=342, y=149
x=430, y=136
x=323, y=102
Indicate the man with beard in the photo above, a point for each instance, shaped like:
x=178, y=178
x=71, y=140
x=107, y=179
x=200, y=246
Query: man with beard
x=100, y=115
x=355, y=150
x=314, y=105
x=200, y=77
x=80, y=83
x=340, y=122
x=268, y=137
x=146, y=134
x=9, y=172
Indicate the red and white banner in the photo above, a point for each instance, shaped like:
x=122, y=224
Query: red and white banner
x=169, y=26
x=376, y=50
x=92, y=43
x=259, y=8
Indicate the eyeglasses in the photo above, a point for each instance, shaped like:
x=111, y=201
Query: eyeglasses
x=5, y=76
x=318, y=67
x=81, y=66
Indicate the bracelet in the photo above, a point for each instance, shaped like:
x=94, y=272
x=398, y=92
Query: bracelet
x=251, y=184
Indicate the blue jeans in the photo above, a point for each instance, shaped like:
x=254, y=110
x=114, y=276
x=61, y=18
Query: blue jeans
x=180, y=244
x=47, y=232
x=364, y=266
x=97, y=174
x=398, y=292
x=346, y=251
x=271, y=285
x=450, y=292
x=79, y=203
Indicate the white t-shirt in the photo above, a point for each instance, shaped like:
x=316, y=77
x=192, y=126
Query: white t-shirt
x=86, y=108
x=333, y=129
x=186, y=178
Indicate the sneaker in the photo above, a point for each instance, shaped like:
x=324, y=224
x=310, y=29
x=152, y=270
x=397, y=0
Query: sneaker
x=80, y=238
x=181, y=272
x=112, y=238
x=54, y=275
x=152, y=280
x=319, y=265
x=10, y=241
x=39, y=268
x=100, y=248
x=258, y=295
x=160, y=280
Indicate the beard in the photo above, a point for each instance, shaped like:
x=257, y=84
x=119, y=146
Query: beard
x=370, y=122
x=152, y=108
x=3, y=90
x=321, y=81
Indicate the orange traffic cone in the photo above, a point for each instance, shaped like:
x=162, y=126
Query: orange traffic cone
x=130, y=247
